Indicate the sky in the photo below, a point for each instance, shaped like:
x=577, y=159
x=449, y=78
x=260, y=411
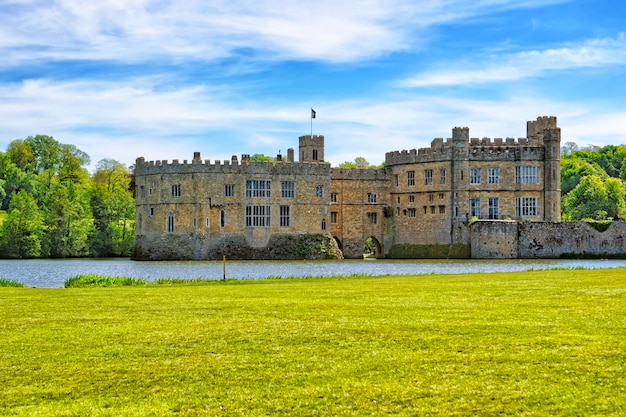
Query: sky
x=162, y=79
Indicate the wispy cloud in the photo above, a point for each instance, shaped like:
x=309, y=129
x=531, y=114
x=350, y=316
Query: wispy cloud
x=140, y=30
x=527, y=64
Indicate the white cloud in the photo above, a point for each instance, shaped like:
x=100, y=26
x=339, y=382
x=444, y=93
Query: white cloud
x=511, y=67
x=141, y=30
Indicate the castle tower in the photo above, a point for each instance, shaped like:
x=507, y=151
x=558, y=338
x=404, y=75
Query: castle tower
x=311, y=148
x=551, y=135
x=459, y=187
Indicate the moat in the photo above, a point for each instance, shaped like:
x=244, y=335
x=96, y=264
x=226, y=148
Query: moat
x=48, y=273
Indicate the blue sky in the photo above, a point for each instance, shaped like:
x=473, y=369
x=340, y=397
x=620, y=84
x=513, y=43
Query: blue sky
x=162, y=78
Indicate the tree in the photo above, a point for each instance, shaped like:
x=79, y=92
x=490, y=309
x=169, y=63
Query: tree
x=68, y=221
x=568, y=148
x=259, y=157
x=113, y=209
x=588, y=200
x=359, y=162
x=21, y=231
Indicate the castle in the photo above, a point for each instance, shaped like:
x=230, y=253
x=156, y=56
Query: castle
x=420, y=205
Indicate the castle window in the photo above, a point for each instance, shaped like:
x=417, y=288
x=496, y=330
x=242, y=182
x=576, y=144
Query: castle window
x=526, y=175
x=151, y=211
x=494, y=206
x=208, y=222
x=142, y=192
x=432, y=209
x=525, y=206
x=315, y=154
x=285, y=218
x=287, y=189
x=474, y=175
x=333, y=217
x=176, y=190
x=475, y=207
x=170, y=222
x=258, y=216
x=258, y=188
x=428, y=177
x=410, y=178
x=441, y=195
x=139, y=222
x=371, y=218
x=425, y=209
x=319, y=191
x=411, y=199
x=442, y=176
x=333, y=197
x=442, y=209
x=396, y=179
x=222, y=218
x=194, y=222
x=431, y=197
x=150, y=189
x=323, y=224
x=493, y=175
x=229, y=190
x=371, y=197
x=411, y=212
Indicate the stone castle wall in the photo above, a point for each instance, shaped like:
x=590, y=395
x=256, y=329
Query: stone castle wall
x=207, y=205
x=418, y=206
x=510, y=240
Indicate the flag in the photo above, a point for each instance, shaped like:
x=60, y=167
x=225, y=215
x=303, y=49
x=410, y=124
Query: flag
x=312, y=114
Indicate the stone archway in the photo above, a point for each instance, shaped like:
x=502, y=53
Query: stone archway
x=339, y=245
x=372, y=248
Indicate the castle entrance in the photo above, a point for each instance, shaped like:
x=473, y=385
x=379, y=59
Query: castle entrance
x=372, y=248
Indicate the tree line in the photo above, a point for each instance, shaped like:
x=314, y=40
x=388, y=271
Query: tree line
x=52, y=207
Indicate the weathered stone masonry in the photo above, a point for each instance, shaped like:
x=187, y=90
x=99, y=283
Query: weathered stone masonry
x=419, y=206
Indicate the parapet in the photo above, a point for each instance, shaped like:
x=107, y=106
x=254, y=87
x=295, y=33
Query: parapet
x=535, y=127
x=366, y=174
x=232, y=166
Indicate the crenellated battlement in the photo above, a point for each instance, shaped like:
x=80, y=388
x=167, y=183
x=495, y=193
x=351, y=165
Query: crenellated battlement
x=529, y=147
x=233, y=166
x=358, y=174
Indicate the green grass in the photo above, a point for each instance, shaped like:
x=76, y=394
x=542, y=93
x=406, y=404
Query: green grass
x=538, y=343
x=10, y=283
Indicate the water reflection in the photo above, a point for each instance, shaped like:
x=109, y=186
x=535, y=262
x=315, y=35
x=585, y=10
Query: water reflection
x=50, y=273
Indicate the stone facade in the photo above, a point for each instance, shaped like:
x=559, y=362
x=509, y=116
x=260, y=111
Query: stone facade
x=510, y=240
x=418, y=206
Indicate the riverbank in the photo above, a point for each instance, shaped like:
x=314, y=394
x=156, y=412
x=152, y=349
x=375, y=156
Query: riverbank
x=537, y=342
x=52, y=273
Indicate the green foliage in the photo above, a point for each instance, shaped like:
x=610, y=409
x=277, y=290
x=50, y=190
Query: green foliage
x=592, y=183
x=74, y=214
x=259, y=157
x=599, y=225
x=22, y=229
x=533, y=343
x=10, y=283
x=92, y=280
x=359, y=162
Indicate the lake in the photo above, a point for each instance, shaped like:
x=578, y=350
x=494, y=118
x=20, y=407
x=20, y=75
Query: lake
x=52, y=273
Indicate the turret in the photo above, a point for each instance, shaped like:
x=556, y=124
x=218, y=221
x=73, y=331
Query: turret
x=311, y=148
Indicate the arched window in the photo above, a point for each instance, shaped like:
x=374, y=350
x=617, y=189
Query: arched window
x=222, y=218
x=170, y=222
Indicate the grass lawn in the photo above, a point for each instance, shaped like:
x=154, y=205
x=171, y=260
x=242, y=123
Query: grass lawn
x=538, y=343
